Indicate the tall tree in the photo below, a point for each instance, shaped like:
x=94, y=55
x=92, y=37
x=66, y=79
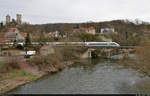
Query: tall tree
x=27, y=40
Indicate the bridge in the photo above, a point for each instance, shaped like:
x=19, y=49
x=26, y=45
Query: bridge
x=107, y=52
x=95, y=49
x=119, y=47
x=82, y=44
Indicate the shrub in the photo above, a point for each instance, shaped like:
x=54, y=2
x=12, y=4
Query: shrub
x=20, y=47
x=43, y=62
x=12, y=63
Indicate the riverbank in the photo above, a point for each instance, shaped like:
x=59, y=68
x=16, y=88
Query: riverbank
x=16, y=78
x=91, y=76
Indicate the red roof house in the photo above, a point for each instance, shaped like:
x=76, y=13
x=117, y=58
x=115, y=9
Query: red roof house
x=90, y=30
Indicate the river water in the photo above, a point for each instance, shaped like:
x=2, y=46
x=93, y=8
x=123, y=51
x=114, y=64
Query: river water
x=87, y=77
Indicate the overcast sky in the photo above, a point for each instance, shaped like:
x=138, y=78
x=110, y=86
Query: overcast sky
x=54, y=11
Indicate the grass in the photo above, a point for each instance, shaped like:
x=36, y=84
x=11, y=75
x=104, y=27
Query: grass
x=1, y=66
x=32, y=77
x=20, y=73
x=16, y=73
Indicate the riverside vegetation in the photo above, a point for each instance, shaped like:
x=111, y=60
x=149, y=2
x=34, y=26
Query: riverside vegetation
x=141, y=64
x=15, y=72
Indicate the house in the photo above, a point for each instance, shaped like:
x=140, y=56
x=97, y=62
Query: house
x=21, y=36
x=107, y=29
x=3, y=45
x=90, y=30
x=12, y=53
x=13, y=34
x=2, y=40
x=45, y=50
x=54, y=34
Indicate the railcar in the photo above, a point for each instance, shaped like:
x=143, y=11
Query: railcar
x=103, y=44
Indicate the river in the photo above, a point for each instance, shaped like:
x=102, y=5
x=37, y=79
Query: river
x=87, y=77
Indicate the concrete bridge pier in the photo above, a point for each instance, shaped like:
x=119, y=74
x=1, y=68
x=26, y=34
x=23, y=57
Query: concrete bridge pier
x=87, y=54
x=126, y=53
x=108, y=53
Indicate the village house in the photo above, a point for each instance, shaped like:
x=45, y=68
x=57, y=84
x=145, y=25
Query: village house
x=45, y=50
x=107, y=29
x=2, y=40
x=12, y=53
x=54, y=34
x=90, y=30
x=13, y=34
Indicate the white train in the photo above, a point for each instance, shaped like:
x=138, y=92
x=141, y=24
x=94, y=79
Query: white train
x=111, y=44
x=88, y=44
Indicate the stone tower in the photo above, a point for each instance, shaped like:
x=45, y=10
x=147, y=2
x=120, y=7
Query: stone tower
x=8, y=19
x=19, y=19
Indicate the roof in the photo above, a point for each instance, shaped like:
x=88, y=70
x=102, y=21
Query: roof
x=12, y=29
x=106, y=26
x=10, y=35
x=2, y=40
x=45, y=47
x=7, y=15
x=84, y=29
x=31, y=49
x=91, y=28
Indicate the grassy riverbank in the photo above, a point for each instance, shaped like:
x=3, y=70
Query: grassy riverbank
x=16, y=78
x=13, y=79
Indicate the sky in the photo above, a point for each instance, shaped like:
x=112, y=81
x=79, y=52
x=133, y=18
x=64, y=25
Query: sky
x=73, y=11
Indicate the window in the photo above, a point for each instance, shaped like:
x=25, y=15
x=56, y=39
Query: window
x=112, y=44
x=98, y=44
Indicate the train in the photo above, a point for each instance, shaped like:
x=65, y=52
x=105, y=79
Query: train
x=112, y=44
x=88, y=44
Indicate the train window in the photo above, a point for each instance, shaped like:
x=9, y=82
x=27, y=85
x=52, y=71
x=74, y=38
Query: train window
x=112, y=44
x=98, y=44
x=102, y=44
x=74, y=44
x=60, y=44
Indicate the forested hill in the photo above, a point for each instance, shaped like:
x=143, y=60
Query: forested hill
x=120, y=26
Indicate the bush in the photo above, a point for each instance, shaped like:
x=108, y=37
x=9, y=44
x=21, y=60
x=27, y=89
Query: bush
x=44, y=62
x=12, y=63
x=20, y=47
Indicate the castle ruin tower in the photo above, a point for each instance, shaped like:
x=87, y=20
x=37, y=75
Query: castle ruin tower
x=8, y=19
x=19, y=19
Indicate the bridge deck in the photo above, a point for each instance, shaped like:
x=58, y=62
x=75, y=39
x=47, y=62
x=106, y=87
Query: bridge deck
x=119, y=47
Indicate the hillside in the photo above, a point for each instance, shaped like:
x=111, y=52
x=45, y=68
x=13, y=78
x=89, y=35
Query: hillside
x=129, y=33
